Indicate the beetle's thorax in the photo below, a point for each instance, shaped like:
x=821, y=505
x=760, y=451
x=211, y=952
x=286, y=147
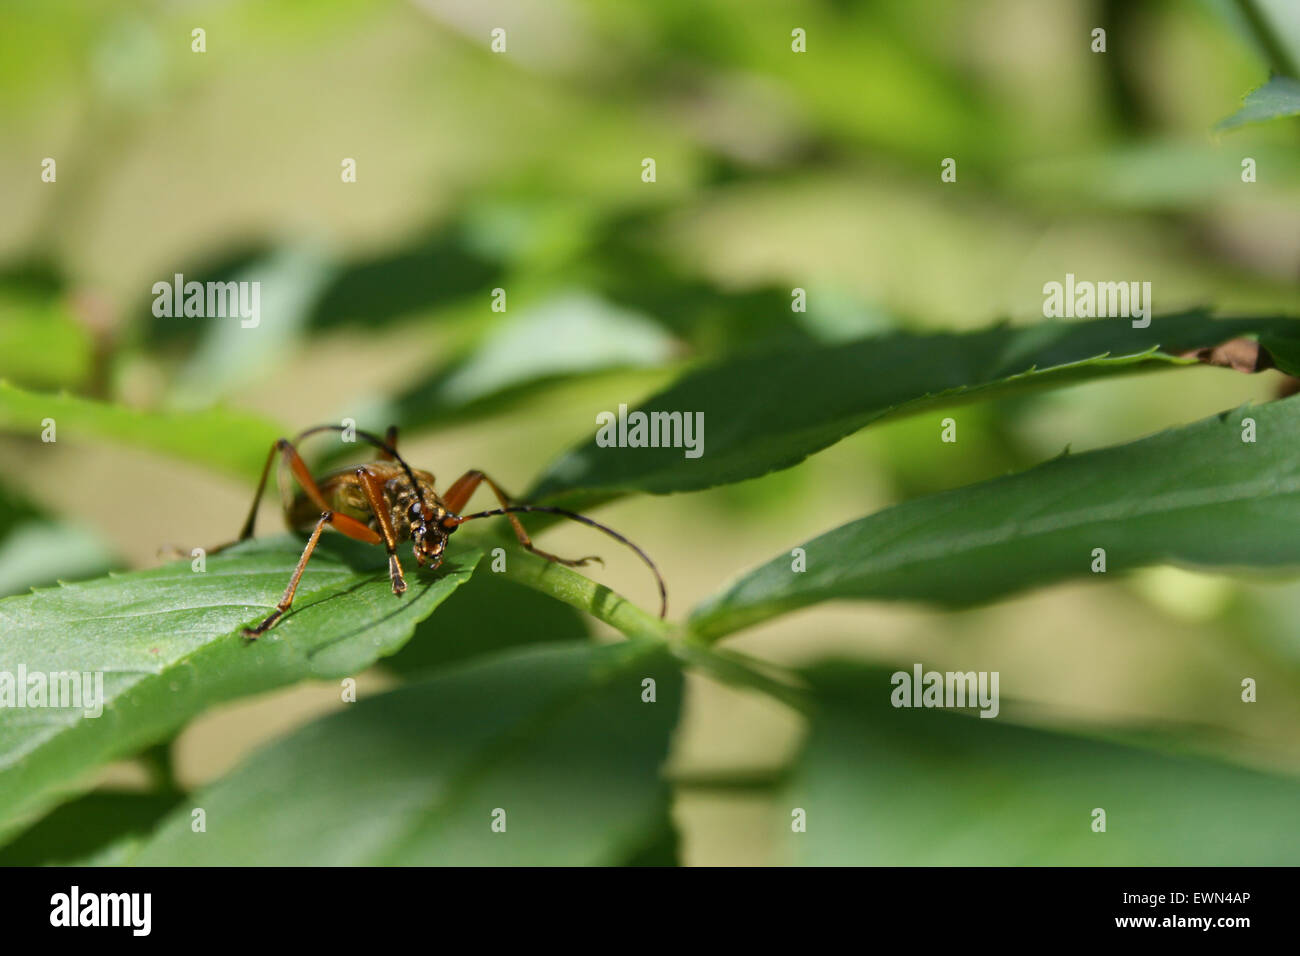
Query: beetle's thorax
x=423, y=526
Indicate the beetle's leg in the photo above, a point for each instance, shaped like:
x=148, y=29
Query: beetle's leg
x=247, y=531
x=348, y=525
x=458, y=495
x=374, y=490
x=343, y=523
x=254, y=632
x=289, y=455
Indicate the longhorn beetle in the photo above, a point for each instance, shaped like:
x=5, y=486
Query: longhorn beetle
x=387, y=501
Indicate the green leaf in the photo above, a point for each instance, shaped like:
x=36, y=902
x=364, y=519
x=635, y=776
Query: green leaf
x=428, y=272
x=567, y=335
x=231, y=441
x=88, y=825
x=770, y=411
x=1196, y=495
x=167, y=643
x=488, y=613
x=923, y=787
x=557, y=737
x=1277, y=98
x=661, y=848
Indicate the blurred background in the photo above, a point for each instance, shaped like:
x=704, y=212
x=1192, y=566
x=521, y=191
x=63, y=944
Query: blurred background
x=522, y=171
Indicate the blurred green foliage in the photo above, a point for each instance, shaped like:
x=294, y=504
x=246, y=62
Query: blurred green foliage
x=521, y=172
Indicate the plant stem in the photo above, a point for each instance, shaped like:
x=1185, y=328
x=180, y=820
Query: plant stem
x=585, y=594
x=618, y=612
x=158, y=761
x=739, y=670
x=1275, y=50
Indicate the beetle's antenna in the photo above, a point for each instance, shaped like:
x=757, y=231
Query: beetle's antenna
x=378, y=443
x=574, y=516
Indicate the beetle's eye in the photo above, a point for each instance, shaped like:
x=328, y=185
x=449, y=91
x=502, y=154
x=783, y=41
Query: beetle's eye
x=414, y=513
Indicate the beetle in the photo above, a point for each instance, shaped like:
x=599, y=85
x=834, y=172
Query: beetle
x=385, y=502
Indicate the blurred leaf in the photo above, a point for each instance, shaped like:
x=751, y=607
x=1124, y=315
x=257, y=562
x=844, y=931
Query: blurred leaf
x=906, y=100
x=770, y=411
x=1262, y=615
x=532, y=230
x=662, y=848
x=168, y=646
x=37, y=550
x=42, y=345
x=433, y=270
x=1152, y=174
x=484, y=616
x=87, y=825
x=1195, y=495
x=631, y=267
x=289, y=282
x=15, y=511
x=570, y=334
x=557, y=737
x=228, y=440
x=928, y=787
x=1272, y=27
x=1279, y=97
x=180, y=334
x=42, y=552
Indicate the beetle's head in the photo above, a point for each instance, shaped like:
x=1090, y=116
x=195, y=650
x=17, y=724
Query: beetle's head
x=429, y=532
